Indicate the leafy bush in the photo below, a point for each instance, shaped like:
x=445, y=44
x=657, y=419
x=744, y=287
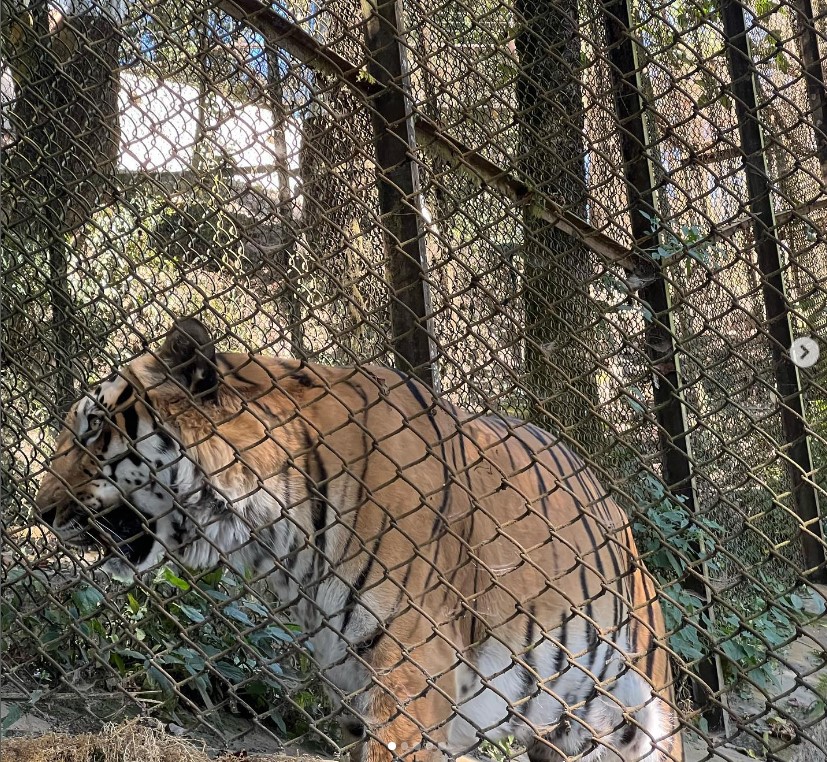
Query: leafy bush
x=745, y=630
x=196, y=646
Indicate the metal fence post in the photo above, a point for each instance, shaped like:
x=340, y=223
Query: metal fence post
x=399, y=192
x=788, y=387
x=669, y=408
x=813, y=76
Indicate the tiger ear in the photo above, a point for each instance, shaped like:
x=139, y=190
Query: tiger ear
x=189, y=356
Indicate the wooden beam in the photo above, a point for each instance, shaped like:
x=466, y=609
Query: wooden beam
x=486, y=172
x=291, y=38
x=781, y=218
x=288, y=36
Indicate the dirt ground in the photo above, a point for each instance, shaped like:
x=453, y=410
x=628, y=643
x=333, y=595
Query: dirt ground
x=143, y=741
x=72, y=717
x=133, y=741
x=68, y=730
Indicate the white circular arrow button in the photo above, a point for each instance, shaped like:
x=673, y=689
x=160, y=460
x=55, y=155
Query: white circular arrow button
x=804, y=352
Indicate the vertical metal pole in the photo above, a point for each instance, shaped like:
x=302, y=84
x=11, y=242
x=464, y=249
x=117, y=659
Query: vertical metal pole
x=660, y=342
x=813, y=79
x=399, y=191
x=796, y=445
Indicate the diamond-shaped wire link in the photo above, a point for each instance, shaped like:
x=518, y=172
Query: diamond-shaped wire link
x=593, y=229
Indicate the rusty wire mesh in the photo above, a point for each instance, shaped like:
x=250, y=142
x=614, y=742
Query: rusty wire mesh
x=605, y=218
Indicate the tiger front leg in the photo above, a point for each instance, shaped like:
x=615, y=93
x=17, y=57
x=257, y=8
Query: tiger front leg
x=374, y=748
x=420, y=755
x=404, y=716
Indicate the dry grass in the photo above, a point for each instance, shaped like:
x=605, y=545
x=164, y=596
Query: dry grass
x=133, y=741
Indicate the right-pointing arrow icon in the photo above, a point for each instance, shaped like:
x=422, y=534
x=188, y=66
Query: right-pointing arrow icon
x=804, y=352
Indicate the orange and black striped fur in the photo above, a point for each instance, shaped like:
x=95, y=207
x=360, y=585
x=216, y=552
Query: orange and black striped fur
x=460, y=577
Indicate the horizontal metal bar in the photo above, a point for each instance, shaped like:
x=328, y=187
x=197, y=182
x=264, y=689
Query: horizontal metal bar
x=781, y=218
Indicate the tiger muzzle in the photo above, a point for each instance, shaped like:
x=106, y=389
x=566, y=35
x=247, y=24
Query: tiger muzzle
x=118, y=528
x=69, y=521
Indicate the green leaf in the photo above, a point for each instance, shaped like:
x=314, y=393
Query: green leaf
x=232, y=672
x=134, y=606
x=174, y=580
x=256, y=608
x=192, y=660
x=634, y=397
x=210, y=650
x=818, y=603
x=128, y=652
x=279, y=720
x=287, y=633
x=171, y=658
x=212, y=578
x=236, y=613
x=764, y=7
x=191, y=613
x=13, y=715
x=87, y=599
x=159, y=679
x=52, y=637
x=119, y=663
x=203, y=687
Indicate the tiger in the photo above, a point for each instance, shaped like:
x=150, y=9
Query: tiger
x=459, y=577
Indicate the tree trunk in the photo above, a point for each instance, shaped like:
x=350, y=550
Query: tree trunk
x=58, y=165
x=331, y=179
x=202, y=106
x=287, y=203
x=778, y=328
x=64, y=118
x=558, y=268
x=811, y=59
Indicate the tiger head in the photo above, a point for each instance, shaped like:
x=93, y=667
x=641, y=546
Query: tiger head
x=121, y=476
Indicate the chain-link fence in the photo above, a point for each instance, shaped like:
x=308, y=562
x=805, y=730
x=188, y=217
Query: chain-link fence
x=579, y=519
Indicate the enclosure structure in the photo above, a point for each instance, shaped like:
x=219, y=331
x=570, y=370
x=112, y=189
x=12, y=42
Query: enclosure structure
x=606, y=218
